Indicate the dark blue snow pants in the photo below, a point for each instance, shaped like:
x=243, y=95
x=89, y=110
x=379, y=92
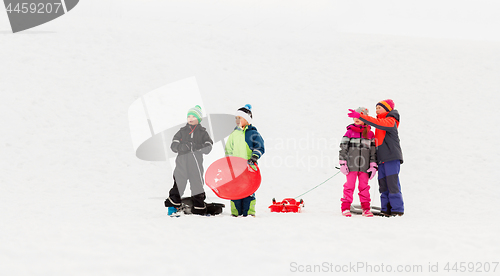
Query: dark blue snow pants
x=244, y=206
x=389, y=187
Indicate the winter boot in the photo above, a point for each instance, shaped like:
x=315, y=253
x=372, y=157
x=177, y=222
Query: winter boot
x=199, y=207
x=367, y=213
x=387, y=211
x=366, y=209
x=347, y=213
x=171, y=211
x=202, y=211
x=170, y=203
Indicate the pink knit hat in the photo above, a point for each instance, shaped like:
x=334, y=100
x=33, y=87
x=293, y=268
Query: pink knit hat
x=388, y=104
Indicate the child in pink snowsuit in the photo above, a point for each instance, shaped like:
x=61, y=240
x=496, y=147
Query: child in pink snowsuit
x=358, y=160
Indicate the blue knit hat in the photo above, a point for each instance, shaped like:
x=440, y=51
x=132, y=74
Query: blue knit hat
x=196, y=112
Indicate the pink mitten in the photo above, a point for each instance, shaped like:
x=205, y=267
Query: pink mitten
x=343, y=167
x=372, y=170
x=353, y=114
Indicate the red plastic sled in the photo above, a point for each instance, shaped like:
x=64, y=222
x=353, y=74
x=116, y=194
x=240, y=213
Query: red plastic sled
x=288, y=205
x=232, y=178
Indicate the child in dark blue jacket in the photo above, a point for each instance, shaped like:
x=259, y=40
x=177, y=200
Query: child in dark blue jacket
x=245, y=142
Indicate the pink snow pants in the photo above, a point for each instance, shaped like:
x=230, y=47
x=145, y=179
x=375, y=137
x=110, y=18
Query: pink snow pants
x=363, y=187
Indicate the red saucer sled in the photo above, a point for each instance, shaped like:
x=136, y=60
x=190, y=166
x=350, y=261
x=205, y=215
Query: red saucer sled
x=288, y=205
x=232, y=178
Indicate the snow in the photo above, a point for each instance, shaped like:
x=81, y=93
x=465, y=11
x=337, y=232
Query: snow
x=76, y=201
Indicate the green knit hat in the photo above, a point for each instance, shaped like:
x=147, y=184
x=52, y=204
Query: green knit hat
x=196, y=111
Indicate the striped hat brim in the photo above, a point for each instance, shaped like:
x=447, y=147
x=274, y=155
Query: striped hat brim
x=385, y=105
x=244, y=115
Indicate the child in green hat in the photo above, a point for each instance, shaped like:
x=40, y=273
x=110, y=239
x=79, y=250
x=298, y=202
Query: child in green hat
x=190, y=143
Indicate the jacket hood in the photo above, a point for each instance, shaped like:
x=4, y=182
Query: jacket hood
x=251, y=127
x=358, y=128
x=394, y=114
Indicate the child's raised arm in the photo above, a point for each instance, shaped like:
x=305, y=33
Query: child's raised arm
x=386, y=124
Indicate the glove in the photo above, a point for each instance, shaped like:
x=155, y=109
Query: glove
x=343, y=167
x=175, y=147
x=372, y=170
x=186, y=147
x=353, y=114
x=197, y=146
x=253, y=160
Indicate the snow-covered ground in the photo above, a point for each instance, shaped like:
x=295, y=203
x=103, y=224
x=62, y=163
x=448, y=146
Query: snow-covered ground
x=76, y=201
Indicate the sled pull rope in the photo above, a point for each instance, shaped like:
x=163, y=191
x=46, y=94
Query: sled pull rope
x=317, y=185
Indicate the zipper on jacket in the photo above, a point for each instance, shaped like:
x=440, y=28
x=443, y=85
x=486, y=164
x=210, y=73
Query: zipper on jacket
x=360, y=143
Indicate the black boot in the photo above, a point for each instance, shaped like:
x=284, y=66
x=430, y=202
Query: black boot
x=199, y=210
x=388, y=212
x=171, y=203
x=199, y=207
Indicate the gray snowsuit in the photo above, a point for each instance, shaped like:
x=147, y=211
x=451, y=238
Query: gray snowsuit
x=190, y=143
